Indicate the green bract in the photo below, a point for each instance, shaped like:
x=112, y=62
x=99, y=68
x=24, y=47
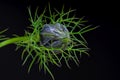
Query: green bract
x=71, y=41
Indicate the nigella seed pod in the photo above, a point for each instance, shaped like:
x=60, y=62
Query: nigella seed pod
x=53, y=35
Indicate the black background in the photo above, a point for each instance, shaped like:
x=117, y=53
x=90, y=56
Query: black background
x=103, y=64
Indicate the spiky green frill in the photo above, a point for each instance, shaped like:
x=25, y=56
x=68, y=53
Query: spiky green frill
x=34, y=49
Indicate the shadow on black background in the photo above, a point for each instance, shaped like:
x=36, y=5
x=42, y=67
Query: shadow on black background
x=103, y=63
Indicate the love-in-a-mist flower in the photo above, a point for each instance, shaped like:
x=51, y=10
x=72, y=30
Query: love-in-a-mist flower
x=54, y=38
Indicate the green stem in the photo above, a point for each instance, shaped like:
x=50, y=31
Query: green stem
x=12, y=40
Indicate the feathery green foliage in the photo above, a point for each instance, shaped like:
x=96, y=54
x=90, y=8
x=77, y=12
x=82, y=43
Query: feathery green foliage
x=43, y=55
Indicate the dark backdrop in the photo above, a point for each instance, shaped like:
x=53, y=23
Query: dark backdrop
x=103, y=64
